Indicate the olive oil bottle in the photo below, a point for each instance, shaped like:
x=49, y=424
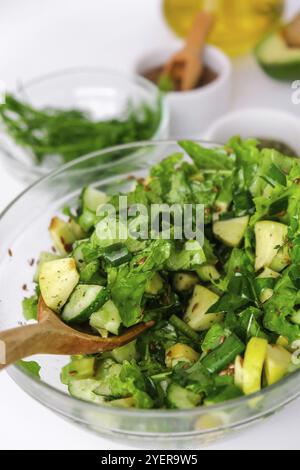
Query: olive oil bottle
x=240, y=24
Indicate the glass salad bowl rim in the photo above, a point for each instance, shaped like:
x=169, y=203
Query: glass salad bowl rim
x=17, y=371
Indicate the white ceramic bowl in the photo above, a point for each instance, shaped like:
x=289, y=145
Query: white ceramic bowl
x=264, y=123
x=193, y=111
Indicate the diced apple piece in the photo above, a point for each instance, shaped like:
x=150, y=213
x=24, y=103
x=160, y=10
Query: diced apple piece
x=180, y=353
x=265, y=295
x=238, y=372
x=57, y=280
x=231, y=232
x=184, y=282
x=277, y=363
x=254, y=360
x=196, y=316
x=269, y=237
x=62, y=235
x=268, y=273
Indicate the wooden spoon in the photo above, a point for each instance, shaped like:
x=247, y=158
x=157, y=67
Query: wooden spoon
x=292, y=32
x=185, y=68
x=51, y=336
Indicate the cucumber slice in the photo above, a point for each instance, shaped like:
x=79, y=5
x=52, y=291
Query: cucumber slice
x=277, y=59
x=182, y=399
x=57, y=281
x=85, y=390
x=107, y=318
x=125, y=353
x=231, y=232
x=196, y=316
x=93, y=198
x=85, y=300
x=269, y=237
x=117, y=254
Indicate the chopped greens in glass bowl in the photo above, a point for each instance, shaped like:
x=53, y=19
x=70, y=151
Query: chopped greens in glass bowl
x=56, y=118
x=221, y=353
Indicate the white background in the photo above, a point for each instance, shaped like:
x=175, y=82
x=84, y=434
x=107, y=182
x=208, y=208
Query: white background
x=40, y=36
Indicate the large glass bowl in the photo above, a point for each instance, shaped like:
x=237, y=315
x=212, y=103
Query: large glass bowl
x=103, y=93
x=23, y=234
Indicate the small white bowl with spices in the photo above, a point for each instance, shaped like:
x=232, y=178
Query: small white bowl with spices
x=271, y=126
x=193, y=111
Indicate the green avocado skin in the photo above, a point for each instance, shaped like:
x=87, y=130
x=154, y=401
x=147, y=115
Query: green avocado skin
x=284, y=72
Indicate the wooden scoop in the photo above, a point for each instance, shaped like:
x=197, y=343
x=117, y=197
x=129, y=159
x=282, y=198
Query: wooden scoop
x=52, y=336
x=185, y=68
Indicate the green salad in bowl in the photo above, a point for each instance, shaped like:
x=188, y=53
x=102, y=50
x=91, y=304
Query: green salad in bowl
x=225, y=305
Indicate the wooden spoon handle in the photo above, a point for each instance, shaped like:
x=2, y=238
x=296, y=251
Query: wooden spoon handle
x=20, y=343
x=202, y=26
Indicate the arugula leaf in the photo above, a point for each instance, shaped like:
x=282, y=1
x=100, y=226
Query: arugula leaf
x=208, y=159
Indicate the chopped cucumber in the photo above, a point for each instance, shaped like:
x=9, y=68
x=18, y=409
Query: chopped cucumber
x=196, y=317
x=85, y=390
x=231, y=232
x=180, y=353
x=208, y=273
x=85, y=300
x=277, y=364
x=87, y=220
x=93, y=198
x=78, y=369
x=57, y=281
x=62, y=236
x=125, y=353
x=254, y=360
x=277, y=59
x=107, y=318
x=182, y=399
x=106, y=370
x=117, y=254
x=269, y=237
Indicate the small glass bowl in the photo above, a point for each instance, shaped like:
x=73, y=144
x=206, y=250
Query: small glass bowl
x=24, y=234
x=105, y=94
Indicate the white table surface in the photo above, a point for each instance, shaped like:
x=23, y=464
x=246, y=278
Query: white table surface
x=39, y=36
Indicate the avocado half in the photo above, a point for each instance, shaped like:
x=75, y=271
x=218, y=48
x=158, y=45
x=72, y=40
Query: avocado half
x=277, y=59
